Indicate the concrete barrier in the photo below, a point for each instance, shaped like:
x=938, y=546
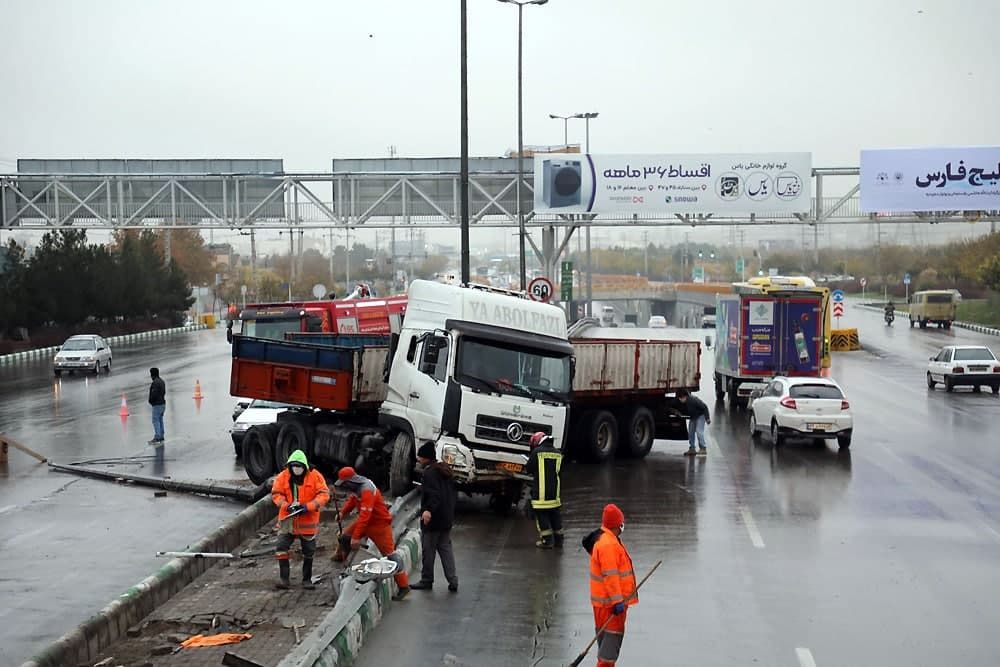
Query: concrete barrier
x=46, y=352
x=845, y=340
x=336, y=640
x=87, y=640
x=970, y=326
x=339, y=637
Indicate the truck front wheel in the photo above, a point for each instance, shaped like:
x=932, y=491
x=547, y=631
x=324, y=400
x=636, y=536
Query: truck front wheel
x=292, y=434
x=401, y=467
x=637, y=432
x=600, y=437
x=258, y=452
x=720, y=388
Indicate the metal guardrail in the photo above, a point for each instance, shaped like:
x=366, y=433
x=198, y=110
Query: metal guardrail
x=45, y=352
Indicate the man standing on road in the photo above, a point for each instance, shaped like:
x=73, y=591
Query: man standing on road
x=437, y=505
x=698, y=417
x=544, y=464
x=158, y=401
x=612, y=586
x=300, y=493
x=374, y=520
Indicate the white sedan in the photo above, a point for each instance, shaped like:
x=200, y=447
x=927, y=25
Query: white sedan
x=254, y=413
x=83, y=353
x=964, y=366
x=801, y=407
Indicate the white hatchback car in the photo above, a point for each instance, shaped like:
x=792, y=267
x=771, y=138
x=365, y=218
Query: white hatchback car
x=964, y=366
x=801, y=407
x=657, y=322
x=83, y=353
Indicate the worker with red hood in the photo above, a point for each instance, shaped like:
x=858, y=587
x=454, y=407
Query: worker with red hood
x=612, y=585
x=374, y=520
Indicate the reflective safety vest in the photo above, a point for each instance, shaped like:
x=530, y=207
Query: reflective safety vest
x=543, y=466
x=313, y=493
x=612, y=578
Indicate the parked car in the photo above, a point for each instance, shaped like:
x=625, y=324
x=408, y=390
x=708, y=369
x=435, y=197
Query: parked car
x=964, y=366
x=83, y=353
x=801, y=407
x=657, y=322
x=254, y=413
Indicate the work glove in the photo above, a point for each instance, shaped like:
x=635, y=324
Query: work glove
x=618, y=609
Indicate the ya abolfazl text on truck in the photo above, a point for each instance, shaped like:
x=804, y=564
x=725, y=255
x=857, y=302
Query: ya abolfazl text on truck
x=474, y=370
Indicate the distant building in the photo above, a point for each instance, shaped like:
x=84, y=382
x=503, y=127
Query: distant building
x=221, y=253
x=531, y=151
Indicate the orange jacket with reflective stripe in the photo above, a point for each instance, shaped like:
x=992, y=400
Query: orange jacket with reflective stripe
x=313, y=493
x=612, y=578
x=371, y=510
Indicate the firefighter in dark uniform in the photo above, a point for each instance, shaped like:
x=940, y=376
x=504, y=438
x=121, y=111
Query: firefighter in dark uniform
x=544, y=464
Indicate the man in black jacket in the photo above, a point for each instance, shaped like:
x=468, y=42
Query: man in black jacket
x=698, y=417
x=437, y=505
x=158, y=401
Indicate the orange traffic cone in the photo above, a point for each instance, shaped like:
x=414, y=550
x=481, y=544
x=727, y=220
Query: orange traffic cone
x=124, y=410
x=197, y=391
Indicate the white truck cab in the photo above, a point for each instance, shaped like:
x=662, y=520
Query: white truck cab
x=476, y=371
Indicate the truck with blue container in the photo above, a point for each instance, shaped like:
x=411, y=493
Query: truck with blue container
x=473, y=369
x=764, y=331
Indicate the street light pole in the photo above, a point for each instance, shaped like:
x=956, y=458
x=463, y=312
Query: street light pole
x=520, y=129
x=565, y=120
x=590, y=279
x=464, y=159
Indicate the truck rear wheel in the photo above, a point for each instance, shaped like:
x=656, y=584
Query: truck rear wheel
x=258, y=452
x=292, y=434
x=637, y=432
x=600, y=437
x=720, y=388
x=401, y=467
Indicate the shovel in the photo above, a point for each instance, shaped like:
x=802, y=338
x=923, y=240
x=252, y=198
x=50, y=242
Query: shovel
x=294, y=624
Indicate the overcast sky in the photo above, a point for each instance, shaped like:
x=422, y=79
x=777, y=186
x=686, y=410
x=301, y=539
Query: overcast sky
x=312, y=80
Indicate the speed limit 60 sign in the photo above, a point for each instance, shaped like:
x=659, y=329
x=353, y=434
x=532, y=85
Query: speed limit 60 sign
x=540, y=289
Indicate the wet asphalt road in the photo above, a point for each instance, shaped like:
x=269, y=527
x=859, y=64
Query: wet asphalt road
x=884, y=555
x=69, y=545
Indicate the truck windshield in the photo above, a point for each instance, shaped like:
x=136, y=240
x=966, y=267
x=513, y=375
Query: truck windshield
x=272, y=329
x=509, y=369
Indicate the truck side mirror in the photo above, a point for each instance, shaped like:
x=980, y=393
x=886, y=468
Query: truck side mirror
x=229, y=332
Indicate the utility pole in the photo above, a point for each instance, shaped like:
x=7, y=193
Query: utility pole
x=464, y=130
x=645, y=253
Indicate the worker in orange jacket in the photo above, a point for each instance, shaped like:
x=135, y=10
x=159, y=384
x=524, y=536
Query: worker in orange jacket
x=299, y=492
x=612, y=585
x=374, y=520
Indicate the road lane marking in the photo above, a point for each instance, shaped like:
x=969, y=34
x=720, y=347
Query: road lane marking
x=751, y=525
x=805, y=657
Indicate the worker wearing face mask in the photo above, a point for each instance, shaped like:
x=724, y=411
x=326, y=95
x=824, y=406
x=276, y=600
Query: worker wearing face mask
x=299, y=492
x=612, y=585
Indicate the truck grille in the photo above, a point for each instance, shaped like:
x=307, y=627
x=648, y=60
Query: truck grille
x=500, y=429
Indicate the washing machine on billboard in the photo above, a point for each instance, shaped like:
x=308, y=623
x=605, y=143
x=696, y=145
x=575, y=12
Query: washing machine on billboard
x=562, y=183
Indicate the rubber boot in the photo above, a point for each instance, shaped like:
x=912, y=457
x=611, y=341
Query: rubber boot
x=559, y=537
x=544, y=542
x=283, y=575
x=307, y=574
